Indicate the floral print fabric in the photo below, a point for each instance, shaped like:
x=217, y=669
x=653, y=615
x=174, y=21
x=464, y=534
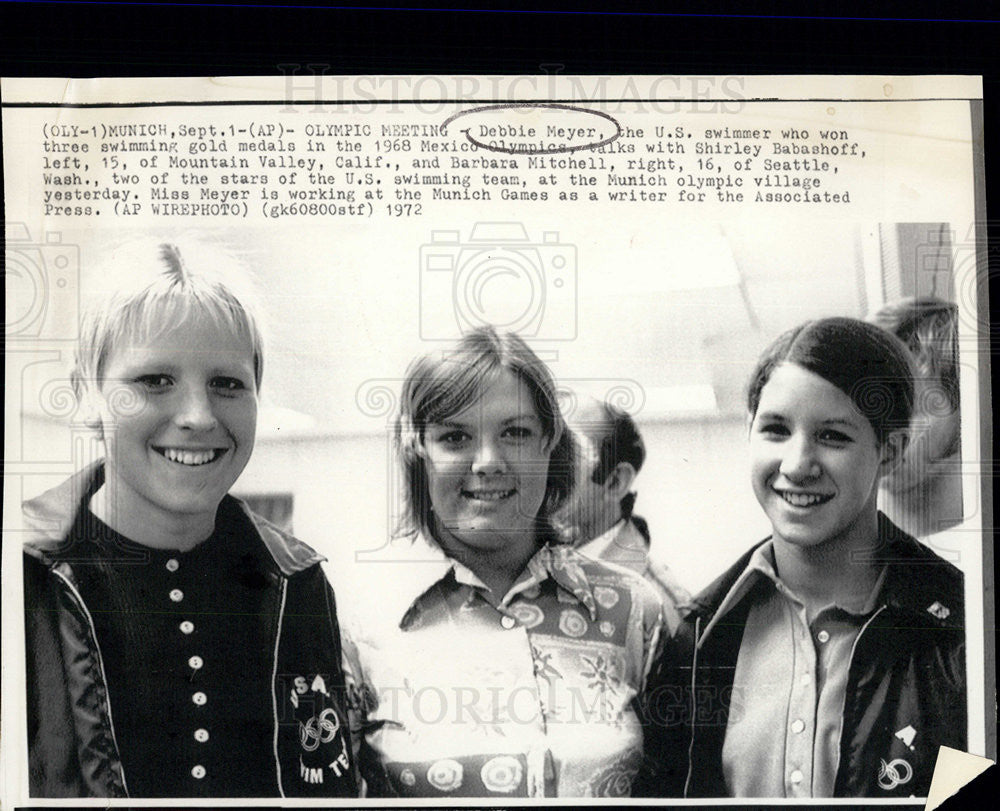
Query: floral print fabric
x=453, y=696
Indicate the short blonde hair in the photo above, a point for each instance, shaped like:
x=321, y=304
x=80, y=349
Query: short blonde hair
x=147, y=288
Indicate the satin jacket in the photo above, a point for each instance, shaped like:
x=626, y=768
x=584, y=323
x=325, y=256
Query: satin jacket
x=72, y=747
x=906, y=689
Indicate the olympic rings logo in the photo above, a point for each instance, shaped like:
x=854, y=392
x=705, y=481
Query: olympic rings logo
x=894, y=773
x=319, y=730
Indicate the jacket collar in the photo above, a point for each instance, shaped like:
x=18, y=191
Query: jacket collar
x=917, y=582
x=49, y=518
x=429, y=565
x=758, y=567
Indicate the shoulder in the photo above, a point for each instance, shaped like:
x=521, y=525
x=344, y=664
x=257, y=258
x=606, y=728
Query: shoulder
x=36, y=577
x=48, y=518
x=642, y=593
x=920, y=581
x=290, y=555
x=706, y=602
x=378, y=591
x=670, y=588
x=927, y=568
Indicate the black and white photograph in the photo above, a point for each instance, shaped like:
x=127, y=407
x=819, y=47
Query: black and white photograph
x=481, y=439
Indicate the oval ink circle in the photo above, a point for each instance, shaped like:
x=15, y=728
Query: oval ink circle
x=516, y=129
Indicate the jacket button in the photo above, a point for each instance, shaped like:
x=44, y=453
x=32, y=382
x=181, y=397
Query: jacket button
x=198, y=772
x=199, y=698
x=196, y=662
x=186, y=627
x=173, y=565
x=798, y=725
x=796, y=777
x=176, y=595
x=508, y=622
x=201, y=735
x=823, y=637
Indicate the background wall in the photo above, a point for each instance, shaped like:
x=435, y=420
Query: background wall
x=343, y=491
x=676, y=344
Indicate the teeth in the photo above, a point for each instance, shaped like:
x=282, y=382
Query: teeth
x=193, y=458
x=803, y=499
x=491, y=495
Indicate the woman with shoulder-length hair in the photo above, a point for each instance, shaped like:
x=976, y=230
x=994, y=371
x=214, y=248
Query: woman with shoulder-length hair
x=829, y=660
x=485, y=657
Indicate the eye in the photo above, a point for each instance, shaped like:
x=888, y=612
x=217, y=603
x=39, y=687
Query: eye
x=227, y=385
x=831, y=436
x=518, y=433
x=154, y=382
x=773, y=429
x=453, y=437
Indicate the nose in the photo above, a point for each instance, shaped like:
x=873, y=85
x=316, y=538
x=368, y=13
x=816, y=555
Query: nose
x=194, y=409
x=799, y=461
x=488, y=458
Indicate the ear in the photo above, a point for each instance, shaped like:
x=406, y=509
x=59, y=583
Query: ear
x=88, y=397
x=892, y=451
x=619, y=480
x=415, y=445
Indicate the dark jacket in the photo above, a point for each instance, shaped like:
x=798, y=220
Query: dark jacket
x=72, y=749
x=907, y=672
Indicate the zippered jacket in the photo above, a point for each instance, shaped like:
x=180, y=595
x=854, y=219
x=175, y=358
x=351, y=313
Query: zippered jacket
x=905, y=697
x=72, y=746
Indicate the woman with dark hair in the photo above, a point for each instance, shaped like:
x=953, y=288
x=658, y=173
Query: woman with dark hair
x=829, y=661
x=485, y=657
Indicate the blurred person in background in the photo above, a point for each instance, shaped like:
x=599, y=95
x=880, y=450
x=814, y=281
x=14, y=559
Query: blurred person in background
x=598, y=517
x=923, y=495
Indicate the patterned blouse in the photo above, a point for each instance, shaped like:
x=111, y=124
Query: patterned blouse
x=453, y=697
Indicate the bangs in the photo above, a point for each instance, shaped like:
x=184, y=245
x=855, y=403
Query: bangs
x=869, y=365
x=437, y=388
x=145, y=289
x=452, y=386
x=163, y=308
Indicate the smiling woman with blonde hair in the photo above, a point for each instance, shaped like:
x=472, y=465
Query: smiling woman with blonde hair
x=174, y=638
